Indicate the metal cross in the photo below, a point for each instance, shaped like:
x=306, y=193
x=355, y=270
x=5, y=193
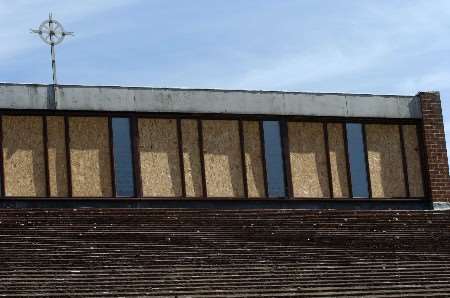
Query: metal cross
x=52, y=32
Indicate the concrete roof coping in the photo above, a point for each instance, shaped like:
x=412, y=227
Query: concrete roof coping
x=254, y=91
x=220, y=101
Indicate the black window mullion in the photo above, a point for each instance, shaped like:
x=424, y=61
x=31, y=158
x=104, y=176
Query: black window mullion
x=286, y=159
x=181, y=158
x=405, y=166
x=347, y=160
x=327, y=156
x=112, y=157
x=366, y=155
x=263, y=157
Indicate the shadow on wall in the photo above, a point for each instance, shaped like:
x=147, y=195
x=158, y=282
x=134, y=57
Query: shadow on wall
x=257, y=172
x=194, y=172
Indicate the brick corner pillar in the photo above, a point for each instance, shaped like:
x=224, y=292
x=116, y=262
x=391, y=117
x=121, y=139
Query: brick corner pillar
x=435, y=147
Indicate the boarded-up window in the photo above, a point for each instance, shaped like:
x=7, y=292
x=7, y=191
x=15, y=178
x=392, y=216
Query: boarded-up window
x=191, y=158
x=158, y=151
x=90, y=157
x=308, y=160
x=385, y=161
x=412, y=155
x=253, y=159
x=222, y=157
x=57, y=162
x=338, y=163
x=23, y=156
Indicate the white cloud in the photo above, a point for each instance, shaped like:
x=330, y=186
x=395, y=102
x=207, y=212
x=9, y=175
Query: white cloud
x=379, y=36
x=308, y=67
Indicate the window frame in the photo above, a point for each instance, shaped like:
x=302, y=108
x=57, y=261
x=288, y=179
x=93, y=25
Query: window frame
x=133, y=116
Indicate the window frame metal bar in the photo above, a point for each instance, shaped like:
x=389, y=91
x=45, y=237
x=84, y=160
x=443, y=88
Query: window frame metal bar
x=366, y=156
x=181, y=158
x=404, y=161
x=347, y=160
x=111, y=157
x=327, y=156
x=202, y=157
x=243, y=163
x=263, y=157
x=285, y=152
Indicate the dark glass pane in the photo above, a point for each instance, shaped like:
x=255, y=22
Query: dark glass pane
x=274, y=159
x=357, y=160
x=123, y=161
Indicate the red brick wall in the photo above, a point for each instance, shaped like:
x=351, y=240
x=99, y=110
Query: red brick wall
x=435, y=147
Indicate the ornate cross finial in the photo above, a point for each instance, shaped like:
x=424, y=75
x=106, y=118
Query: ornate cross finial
x=52, y=32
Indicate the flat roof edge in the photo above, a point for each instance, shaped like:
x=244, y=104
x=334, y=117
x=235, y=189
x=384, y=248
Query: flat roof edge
x=205, y=101
x=255, y=91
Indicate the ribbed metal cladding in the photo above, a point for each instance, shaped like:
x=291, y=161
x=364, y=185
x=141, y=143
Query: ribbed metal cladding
x=224, y=253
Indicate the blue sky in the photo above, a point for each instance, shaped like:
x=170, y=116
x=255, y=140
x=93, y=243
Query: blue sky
x=377, y=46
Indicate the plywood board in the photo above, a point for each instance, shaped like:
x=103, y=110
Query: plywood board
x=412, y=153
x=23, y=156
x=308, y=160
x=57, y=163
x=90, y=157
x=253, y=159
x=338, y=163
x=222, y=157
x=385, y=161
x=160, y=165
x=191, y=157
